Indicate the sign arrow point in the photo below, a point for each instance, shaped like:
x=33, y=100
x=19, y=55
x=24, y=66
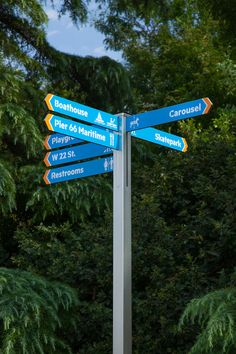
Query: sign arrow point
x=185, y=148
x=45, y=160
x=47, y=99
x=208, y=103
x=46, y=143
x=47, y=121
x=45, y=177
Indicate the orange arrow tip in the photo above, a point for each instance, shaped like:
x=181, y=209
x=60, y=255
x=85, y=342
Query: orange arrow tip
x=47, y=121
x=45, y=160
x=185, y=145
x=208, y=105
x=45, y=177
x=46, y=144
x=48, y=116
x=47, y=99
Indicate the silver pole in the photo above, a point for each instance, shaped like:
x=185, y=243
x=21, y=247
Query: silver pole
x=122, y=305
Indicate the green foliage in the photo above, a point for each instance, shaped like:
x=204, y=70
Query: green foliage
x=17, y=125
x=172, y=55
x=215, y=314
x=224, y=12
x=20, y=137
x=32, y=310
x=183, y=235
x=24, y=45
x=21, y=31
x=92, y=81
x=74, y=201
x=7, y=190
x=82, y=256
x=77, y=9
x=66, y=253
x=183, y=230
x=23, y=85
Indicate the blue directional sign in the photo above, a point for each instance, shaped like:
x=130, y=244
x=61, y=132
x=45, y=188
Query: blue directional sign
x=168, y=114
x=55, y=141
x=81, y=112
x=75, y=153
x=80, y=170
x=82, y=131
x=162, y=138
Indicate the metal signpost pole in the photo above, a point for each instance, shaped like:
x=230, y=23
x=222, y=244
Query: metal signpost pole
x=122, y=308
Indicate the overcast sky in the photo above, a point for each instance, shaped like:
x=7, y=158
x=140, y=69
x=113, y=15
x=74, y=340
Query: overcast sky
x=66, y=37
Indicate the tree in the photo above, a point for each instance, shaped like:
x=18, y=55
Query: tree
x=183, y=238
x=215, y=314
x=23, y=33
x=32, y=312
x=172, y=49
x=29, y=69
x=81, y=256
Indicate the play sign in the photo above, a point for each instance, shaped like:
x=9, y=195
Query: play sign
x=55, y=141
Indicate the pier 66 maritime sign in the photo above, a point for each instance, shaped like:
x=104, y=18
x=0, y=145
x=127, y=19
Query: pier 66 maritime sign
x=82, y=131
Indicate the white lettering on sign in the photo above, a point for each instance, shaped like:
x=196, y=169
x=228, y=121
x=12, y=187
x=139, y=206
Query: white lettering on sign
x=71, y=154
x=91, y=133
x=62, y=155
x=60, y=124
x=68, y=107
x=76, y=171
x=182, y=112
x=63, y=139
x=166, y=140
x=54, y=157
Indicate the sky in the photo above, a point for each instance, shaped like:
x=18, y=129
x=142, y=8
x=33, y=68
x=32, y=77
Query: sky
x=64, y=36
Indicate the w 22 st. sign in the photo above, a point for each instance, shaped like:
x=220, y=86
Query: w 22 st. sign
x=74, y=148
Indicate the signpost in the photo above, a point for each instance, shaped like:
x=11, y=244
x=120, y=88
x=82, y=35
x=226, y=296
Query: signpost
x=75, y=153
x=162, y=138
x=122, y=304
x=79, y=111
x=120, y=163
x=80, y=170
x=55, y=141
x=169, y=114
x=82, y=131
